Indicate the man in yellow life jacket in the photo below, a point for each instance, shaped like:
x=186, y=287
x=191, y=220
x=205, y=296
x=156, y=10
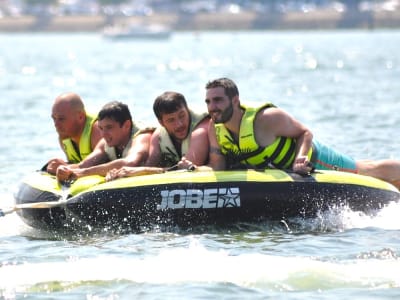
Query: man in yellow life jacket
x=182, y=133
x=122, y=144
x=78, y=131
x=270, y=137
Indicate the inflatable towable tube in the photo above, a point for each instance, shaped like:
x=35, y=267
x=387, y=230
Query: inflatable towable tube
x=186, y=199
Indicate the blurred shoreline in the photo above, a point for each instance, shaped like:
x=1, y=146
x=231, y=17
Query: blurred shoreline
x=218, y=21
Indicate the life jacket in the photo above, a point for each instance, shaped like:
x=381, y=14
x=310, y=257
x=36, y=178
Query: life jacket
x=247, y=153
x=111, y=151
x=169, y=154
x=77, y=154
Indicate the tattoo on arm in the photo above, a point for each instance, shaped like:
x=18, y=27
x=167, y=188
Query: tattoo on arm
x=215, y=150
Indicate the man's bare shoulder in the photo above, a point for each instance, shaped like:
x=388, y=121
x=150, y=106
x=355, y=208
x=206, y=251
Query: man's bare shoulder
x=156, y=133
x=142, y=138
x=271, y=115
x=95, y=126
x=204, y=123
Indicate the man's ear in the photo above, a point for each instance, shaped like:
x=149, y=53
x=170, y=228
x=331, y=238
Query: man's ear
x=235, y=100
x=160, y=122
x=127, y=124
x=82, y=115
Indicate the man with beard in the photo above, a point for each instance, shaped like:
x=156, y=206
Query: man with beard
x=122, y=144
x=78, y=131
x=182, y=134
x=244, y=137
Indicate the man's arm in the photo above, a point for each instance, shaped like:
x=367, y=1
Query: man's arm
x=216, y=160
x=137, y=155
x=154, y=150
x=198, y=151
x=97, y=157
x=139, y=152
x=277, y=122
x=85, y=167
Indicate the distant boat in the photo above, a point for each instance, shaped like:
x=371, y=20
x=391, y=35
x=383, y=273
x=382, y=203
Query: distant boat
x=137, y=31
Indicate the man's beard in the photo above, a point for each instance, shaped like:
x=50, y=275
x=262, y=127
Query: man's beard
x=226, y=115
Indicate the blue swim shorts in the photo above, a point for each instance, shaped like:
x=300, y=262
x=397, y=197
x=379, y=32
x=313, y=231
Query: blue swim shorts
x=326, y=158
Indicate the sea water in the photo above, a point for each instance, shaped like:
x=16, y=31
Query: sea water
x=344, y=85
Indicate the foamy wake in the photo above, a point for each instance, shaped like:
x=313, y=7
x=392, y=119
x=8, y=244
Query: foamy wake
x=199, y=265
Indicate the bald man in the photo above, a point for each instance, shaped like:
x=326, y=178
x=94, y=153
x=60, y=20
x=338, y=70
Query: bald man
x=78, y=131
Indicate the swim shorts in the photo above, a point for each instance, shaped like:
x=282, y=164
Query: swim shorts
x=327, y=158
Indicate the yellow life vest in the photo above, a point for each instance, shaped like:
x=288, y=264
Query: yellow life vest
x=247, y=153
x=169, y=154
x=77, y=154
